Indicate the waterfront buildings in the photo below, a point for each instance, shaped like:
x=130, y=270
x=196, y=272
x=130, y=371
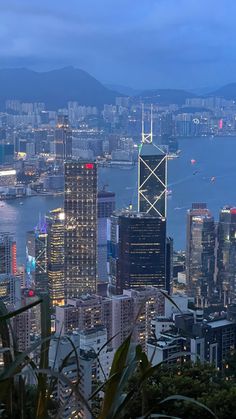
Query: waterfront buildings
x=7, y=176
x=80, y=208
x=226, y=255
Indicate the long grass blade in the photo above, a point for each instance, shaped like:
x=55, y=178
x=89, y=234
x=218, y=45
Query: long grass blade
x=178, y=397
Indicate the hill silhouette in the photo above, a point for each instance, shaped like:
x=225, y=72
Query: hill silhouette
x=55, y=87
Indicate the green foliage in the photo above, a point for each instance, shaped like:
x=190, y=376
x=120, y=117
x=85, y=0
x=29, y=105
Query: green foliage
x=201, y=383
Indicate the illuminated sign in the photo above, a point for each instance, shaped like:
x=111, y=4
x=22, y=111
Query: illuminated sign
x=7, y=172
x=61, y=216
x=220, y=124
x=89, y=166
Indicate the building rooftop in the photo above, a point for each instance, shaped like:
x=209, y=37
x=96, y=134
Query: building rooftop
x=134, y=214
x=220, y=323
x=106, y=194
x=96, y=329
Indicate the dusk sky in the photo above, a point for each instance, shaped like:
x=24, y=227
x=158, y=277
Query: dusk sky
x=138, y=43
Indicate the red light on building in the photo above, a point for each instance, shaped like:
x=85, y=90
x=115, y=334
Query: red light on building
x=233, y=211
x=89, y=166
x=220, y=123
x=31, y=293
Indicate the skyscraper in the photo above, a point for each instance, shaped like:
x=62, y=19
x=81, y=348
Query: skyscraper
x=7, y=254
x=152, y=195
x=106, y=206
x=63, y=139
x=226, y=255
x=55, y=249
x=80, y=207
x=200, y=253
x=137, y=244
x=152, y=174
x=38, y=257
x=152, y=180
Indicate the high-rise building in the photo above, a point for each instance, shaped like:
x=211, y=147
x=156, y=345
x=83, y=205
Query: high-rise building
x=80, y=208
x=169, y=264
x=152, y=180
x=27, y=324
x=106, y=206
x=38, y=256
x=200, y=253
x=152, y=198
x=7, y=254
x=55, y=221
x=10, y=290
x=137, y=251
x=226, y=255
x=63, y=139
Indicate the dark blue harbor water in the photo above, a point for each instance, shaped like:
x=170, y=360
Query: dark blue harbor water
x=211, y=179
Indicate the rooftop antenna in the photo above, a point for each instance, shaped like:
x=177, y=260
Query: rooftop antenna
x=147, y=137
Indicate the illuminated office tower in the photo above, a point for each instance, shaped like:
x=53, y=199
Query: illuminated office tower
x=152, y=194
x=106, y=206
x=37, y=254
x=63, y=139
x=7, y=254
x=200, y=254
x=7, y=177
x=226, y=255
x=152, y=176
x=137, y=249
x=55, y=260
x=80, y=208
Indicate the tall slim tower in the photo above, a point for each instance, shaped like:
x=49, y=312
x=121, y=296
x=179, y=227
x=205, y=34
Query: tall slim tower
x=80, y=208
x=55, y=247
x=152, y=190
x=37, y=255
x=106, y=206
x=7, y=254
x=152, y=175
x=226, y=255
x=63, y=139
x=200, y=253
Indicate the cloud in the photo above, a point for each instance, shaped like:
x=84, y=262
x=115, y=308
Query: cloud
x=143, y=43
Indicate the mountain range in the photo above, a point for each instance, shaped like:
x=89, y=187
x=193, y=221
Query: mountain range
x=57, y=87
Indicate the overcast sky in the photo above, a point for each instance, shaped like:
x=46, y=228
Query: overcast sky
x=139, y=43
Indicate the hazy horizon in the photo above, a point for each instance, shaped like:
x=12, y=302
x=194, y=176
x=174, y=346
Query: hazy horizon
x=158, y=43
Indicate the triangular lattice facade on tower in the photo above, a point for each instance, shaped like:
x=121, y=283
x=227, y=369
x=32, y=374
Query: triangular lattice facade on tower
x=152, y=175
